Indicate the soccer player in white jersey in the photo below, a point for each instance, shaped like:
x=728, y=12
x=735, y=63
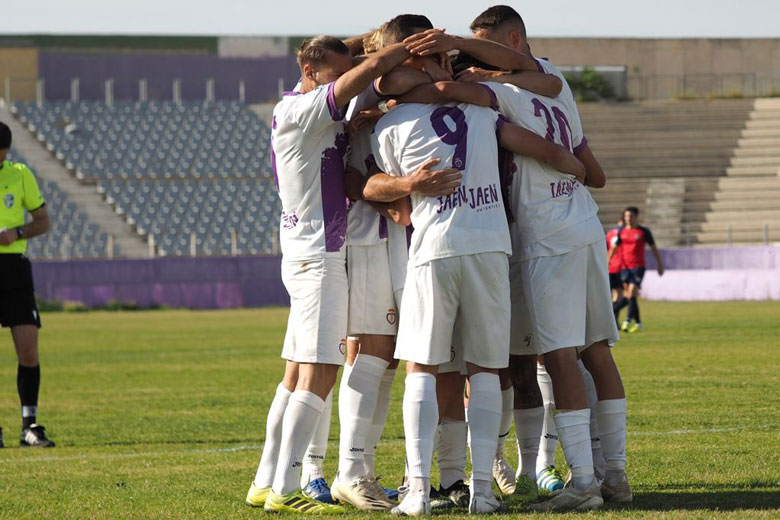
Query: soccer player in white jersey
x=309, y=146
x=504, y=25
x=452, y=431
x=557, y=233
x=456, y=276
x=364, y=395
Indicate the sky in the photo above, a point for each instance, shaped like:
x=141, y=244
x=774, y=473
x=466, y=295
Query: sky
x=554, y=18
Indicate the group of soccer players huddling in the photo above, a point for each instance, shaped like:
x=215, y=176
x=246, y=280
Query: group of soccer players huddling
x=435, y=211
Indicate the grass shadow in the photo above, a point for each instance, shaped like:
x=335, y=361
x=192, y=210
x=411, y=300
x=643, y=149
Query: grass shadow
x=708, y=499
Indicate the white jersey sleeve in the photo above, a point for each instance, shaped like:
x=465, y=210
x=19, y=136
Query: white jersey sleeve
x=317, y=110
x=398, y=237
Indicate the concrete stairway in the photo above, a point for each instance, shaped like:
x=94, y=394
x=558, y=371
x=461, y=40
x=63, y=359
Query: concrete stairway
x=86, y=198
x=692, y=167
x=743, y=207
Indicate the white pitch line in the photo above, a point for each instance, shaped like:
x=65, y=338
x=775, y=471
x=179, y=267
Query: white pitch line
x=394, y=442
x=150, y=454
x=707, y=430
x=132, y=455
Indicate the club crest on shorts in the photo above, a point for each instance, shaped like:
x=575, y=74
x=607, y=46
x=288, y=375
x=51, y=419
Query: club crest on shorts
x=343, y=346
x=452, y=354
x=391, y=316
x=9, y=200
x=527, y=340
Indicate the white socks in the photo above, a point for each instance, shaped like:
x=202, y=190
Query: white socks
x=574, y=431
x=421, y=415
x=318, y=447
x=549, y=439
x=612, y=427
x=273, y=434
x=300, y=420
x=507, y=404
x=451, y=453
x=378, y=420
x=599, y=464
x=357, y=402
x=528, y=428
x=484, y=422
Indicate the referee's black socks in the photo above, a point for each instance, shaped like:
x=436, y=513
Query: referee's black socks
x=28, y=381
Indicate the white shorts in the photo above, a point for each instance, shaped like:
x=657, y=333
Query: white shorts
x=372, y=308
x=470, y=292
x=317, y=326
x=456, y=362
x=561, y=301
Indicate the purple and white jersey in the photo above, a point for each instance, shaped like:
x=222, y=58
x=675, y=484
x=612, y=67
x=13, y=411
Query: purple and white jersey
x=471, y=220
x=554, y=213
x=365, y=226
x=309, y=146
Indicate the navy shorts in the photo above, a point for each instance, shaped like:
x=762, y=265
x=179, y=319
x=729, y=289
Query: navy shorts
x=615, y=282
x=17, y=294
x=633, y=276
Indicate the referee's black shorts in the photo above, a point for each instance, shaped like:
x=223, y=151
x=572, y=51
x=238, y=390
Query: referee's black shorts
x=17, y=294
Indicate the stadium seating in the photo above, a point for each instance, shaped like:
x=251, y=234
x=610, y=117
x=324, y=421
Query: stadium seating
x=212, y=209
x=702, y=172
x=171, y=169
x=152, y=140
x=71, y=234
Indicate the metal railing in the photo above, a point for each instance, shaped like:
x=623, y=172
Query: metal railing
x=637, y=86
x=155, y=249
x=693, y=86
x=116, y=90
x=65, y=250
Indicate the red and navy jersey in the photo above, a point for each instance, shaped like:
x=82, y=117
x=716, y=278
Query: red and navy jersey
x=616, y=262
x=632, y=245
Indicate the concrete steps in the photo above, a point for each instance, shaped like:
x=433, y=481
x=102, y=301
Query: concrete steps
x=83, y=196
x=747, y=209
x=690, y=166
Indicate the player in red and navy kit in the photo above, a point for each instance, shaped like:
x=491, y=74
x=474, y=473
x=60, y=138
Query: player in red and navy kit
x=614, y=268
x=630, y=247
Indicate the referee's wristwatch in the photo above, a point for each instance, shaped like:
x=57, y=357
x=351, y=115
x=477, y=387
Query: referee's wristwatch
x=20, y=233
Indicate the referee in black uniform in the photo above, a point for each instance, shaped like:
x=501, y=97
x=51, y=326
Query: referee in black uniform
x=19, y=192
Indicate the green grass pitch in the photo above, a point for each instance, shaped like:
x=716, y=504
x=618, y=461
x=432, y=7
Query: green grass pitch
x=161, y=414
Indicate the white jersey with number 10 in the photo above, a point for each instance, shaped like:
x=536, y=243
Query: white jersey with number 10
x=546, y=202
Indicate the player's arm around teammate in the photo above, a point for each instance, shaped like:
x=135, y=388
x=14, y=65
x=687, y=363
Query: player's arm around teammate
x=18, y=311
x=435, y=41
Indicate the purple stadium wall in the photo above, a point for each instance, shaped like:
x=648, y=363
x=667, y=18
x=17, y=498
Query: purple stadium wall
x=739, y=273
x=715, y=274
x=260, y=75
x=198, y=283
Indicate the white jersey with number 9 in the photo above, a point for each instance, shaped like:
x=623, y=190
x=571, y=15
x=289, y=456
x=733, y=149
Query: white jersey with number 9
x=472, y=220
